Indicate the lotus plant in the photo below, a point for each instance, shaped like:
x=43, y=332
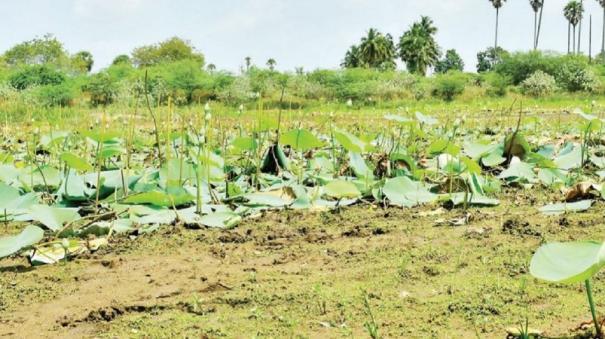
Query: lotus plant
x=571, y=263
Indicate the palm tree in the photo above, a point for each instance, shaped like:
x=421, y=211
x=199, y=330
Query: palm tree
x=497, y=5
x=352, y=59
x=573, y=12
x=271, y=64
x=536, y=6
x=602, y=3
x=248, y=61
x=211, y=68
x=418, y=48
x=376, y=50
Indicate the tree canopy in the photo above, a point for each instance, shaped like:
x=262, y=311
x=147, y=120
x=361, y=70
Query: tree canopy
x=173, y=49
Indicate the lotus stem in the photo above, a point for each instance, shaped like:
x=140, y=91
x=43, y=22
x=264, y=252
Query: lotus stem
x=592, y=309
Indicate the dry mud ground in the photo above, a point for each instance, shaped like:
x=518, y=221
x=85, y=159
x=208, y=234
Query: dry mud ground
x=306, y=275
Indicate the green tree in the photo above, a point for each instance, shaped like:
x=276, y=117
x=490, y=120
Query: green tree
x=171, y=50
x=573, y=12
x=38, y=51
x=211, y=68
x=488, y=59
x=36, y=75
x=352, y=59
x=377, y=50
x=418, y=48
x=82, y=61
x=271, y=63
x=121, y=59
x=451, y=62
x=497, y=5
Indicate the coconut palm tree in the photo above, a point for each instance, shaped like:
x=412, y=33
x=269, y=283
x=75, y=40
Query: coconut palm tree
x=376, y=49
x=352, y=59
x=497, y=5
x=536, y=6
x=418, y=48
x=573, y=12
x=271, y=63
x=602, y=3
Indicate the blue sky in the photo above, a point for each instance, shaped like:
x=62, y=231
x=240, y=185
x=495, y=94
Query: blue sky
x=308, y=33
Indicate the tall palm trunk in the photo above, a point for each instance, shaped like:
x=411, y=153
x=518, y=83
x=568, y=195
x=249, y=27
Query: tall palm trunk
x=497, y=18
x=539, y=25
x=574, y=38
x=568, y=37
x=535, y=28
x=603, y=37
x=580, y=30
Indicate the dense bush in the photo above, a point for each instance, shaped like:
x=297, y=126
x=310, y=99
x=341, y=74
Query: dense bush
x=38, y=75
x=575, y=75
x=102, y=89
x=539, y=84
x=56, y=95
x=496, y=84
x=450, y=85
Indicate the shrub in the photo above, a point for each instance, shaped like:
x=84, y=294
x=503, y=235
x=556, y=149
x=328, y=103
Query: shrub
x=450, y=85
x=575, y=76
x=539, y=84
x=101, y=88
x=56, y=95
x=496, y=84
x=38, y=75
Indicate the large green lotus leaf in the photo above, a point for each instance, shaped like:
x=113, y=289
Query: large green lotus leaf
x=28, y=237
x=111, y=150
x=19, y=206
x=570, y=160
x=402, y=191
x=74, y=188
x=340, y=189
x=477, y=149
x=174, y=170
x=244, y=143
x=321, y=164
x=359, y=166
x=458, y=199
x=220, y=220
x=398, y=118
x=41, y=177
x=76, y=162
x=276, y=198
x=493, y=158
x=7, y=195
x=8, y=173
x=551, y=176
x=300, y=140
x=174, y=196
x=53, y=217
x=519, y=171
x=350, y=142
x=571, y=262
x=101, y=136
x=556, y=209
x=425, y=119
x=443, y=146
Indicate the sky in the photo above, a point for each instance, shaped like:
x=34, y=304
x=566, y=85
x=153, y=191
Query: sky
x=296, y=33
